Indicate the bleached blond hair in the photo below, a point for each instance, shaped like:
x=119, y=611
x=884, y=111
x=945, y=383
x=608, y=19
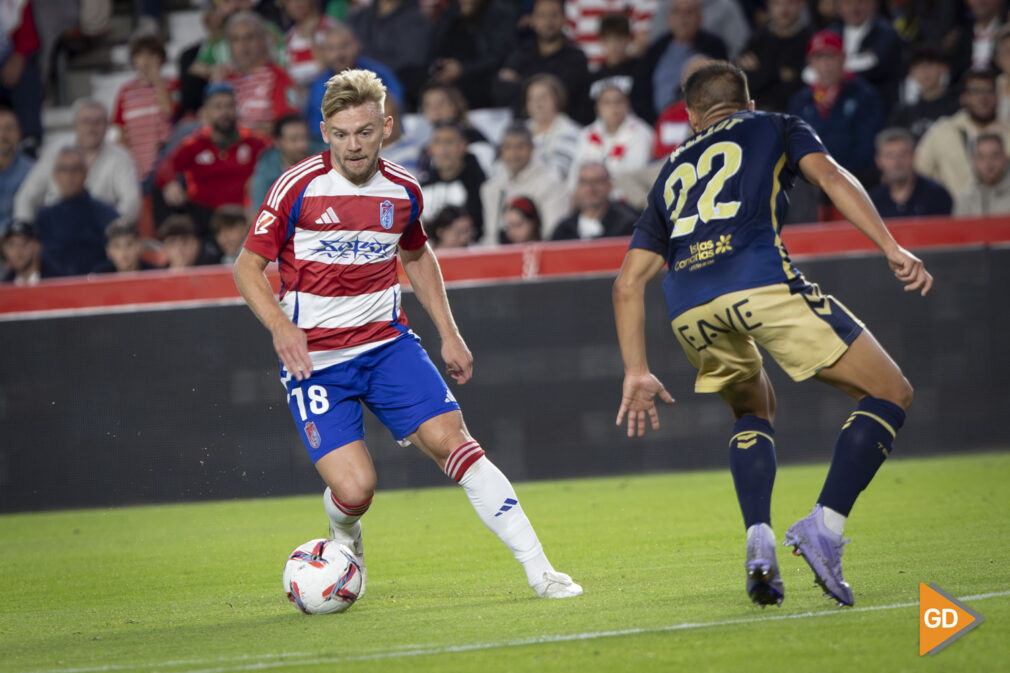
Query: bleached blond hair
x=352, y=88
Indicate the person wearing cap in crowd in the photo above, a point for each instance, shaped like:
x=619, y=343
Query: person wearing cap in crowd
x=72, y=230
x=618, y=138
x=519, y=173
x=212, y=165
x=22, y=255
x=123, y=249
x=522, y=221
x=842, y=109
x=596, y=214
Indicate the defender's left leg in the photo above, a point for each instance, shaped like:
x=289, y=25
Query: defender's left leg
x=445, y=439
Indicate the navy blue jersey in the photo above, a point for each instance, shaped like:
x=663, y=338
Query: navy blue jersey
x=717, y=207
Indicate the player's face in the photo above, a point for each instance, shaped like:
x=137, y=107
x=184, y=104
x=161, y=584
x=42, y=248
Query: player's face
x=856, y=12
x=895, y=159
x=220, y=113
x=990, y=162
x=10, y=133
x=516, y=152
x=339, y=50
x=540, y=103
x=124, y=252
x=20, y=252
x=612, y=108
x=90, y=126
x=355, y=137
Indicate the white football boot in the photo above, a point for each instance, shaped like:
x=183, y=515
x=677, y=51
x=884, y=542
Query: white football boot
x=557, y=585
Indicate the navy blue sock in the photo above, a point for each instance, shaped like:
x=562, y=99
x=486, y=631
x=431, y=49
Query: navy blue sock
x=752, y=462
x=862, y=447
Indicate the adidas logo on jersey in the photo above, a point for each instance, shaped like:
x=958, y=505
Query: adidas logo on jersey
x=328, y=217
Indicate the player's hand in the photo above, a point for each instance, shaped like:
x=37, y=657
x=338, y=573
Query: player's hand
x=638, y=400
x=910, y=270
x=292, y=348
x=458, y=359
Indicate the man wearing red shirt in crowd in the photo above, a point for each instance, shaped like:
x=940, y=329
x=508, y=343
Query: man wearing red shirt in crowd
x=215, y=161
x=263, y=90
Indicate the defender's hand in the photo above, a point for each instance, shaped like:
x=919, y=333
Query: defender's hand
x=638, y=399
x=458, y=359
x=910, y=270
x=292, y=348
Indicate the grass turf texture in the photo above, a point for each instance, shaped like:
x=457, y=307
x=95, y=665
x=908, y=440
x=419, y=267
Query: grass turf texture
x=196, y=587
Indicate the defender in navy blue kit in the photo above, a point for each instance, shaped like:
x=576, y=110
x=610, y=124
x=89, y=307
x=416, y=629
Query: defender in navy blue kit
x=713, y=219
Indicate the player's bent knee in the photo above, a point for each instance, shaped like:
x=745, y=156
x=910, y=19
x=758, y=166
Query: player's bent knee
x=355, y=493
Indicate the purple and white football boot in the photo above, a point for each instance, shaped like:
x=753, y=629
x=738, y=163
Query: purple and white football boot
x=822, y=550
x=764, y=583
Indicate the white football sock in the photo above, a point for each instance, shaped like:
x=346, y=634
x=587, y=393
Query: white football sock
x=495, y=502
x=343, y=517
x=834, y=521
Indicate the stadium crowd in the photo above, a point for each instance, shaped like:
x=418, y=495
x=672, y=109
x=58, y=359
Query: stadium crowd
x=523, y=120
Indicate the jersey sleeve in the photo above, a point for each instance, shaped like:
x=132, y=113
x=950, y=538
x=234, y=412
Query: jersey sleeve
x=271, y=230
x=800, y=140
x=413, y=236
x=650, y=230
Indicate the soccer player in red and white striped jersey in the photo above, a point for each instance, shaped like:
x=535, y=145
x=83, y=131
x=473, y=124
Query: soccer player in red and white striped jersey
x=337, y=222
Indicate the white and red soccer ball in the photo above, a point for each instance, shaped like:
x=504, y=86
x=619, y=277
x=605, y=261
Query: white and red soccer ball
x=322, y=576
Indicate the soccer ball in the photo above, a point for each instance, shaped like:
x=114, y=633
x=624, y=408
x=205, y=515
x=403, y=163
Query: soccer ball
x=322, y=576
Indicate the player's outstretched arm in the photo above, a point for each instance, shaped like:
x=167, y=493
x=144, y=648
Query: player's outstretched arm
x=640, y=386
x=854, y=203
x=425, y=278
x=289, y=341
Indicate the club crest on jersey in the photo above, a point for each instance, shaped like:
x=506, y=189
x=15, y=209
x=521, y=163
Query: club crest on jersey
x=313, y=435
x=386, y=214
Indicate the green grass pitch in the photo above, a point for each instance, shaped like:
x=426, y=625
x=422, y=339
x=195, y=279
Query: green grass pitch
x=196, y=587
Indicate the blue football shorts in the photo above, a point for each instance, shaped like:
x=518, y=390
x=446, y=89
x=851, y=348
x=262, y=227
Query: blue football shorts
x=397, y=381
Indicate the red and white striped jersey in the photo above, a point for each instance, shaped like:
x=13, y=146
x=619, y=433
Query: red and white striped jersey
x=582, y=19
x=145, y=126
x=263, y=95
x=336, y=246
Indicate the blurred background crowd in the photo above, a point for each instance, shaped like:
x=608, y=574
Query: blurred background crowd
x=140, y=134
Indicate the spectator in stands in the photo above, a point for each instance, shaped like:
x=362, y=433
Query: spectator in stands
x=444, y=103
x=308, y=28
x=659, y=73
x=618, y=138
x=587, y=24
x=455, y=177
x=548, y=51
x=945, y=151
x=339, y=50
x=596, y=215
x=291, y=145
x=112, y=177
x=615, y=45
x=902, y=193
x=145, y=105
x=775, y=55
x=20, y=82
x=724, y=18
x=395, y=32
x=989, y=193
x=181, y=243
x=405, y=150
x=72, y=229
x=844, y=111
x=229, y=227
x=212, y=165
x=554, y=132
x=1002, y=59
x=214, y=55
x=452, y=227
x=517, y=173
x=930, y=73
x=522, y=221
x=14, y=164
x=263, y=90
x=123, y=249
x=469, y=44
x=872, y=47
x=673, y=126
x=972, y=43
x=22, y=255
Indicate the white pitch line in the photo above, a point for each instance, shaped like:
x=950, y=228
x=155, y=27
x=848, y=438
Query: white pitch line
x=303, y=659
